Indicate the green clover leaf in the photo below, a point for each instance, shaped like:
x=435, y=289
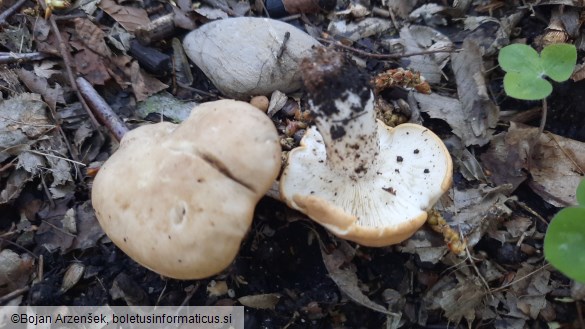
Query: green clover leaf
x=526, y=69
x=564, y=242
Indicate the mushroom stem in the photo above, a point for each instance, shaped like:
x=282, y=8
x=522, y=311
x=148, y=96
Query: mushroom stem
x=343, y=107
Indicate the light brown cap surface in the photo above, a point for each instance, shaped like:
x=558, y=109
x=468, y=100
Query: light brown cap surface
x=179, y=199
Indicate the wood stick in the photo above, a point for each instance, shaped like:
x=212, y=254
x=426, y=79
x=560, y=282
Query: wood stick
x=101, y=109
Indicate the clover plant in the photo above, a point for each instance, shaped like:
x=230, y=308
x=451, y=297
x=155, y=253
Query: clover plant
x=526, y=69
x=564, y=242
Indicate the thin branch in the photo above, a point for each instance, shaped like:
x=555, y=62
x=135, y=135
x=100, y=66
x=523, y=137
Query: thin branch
x=198, y=91
x=10, y=11
x=63, y=49
x=101, y=109
x=10, y=296
x=519, y=279
x=9, y=58
x=58, y=157
x=385, y=56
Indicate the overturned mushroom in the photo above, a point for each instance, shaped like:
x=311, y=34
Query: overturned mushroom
x=179, y=199
x=362, y=180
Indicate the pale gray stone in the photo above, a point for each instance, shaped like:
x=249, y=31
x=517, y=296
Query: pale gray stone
x=248, y=56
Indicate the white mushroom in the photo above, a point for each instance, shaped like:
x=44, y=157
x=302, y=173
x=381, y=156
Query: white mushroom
x=362, y=180
x=179, y=199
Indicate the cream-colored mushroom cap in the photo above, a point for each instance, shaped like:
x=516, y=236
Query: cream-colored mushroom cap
x=179, y=199
x=375, y=210
x=362, y=180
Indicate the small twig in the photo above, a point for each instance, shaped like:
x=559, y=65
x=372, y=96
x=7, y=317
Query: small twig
x=55, y=156
x=283, y=46
x=290, y=18
x=59, y=229
x=160, y=296
x=10, y=296
x=519, y=279
x=65, y=55
x=14, y=244
x=190, y=293
x=9, y=165
x=198, y=91
x=385, y=56
x=470, y=258
x=9, y=58
x=101, y=109
x=47, y=192
x=40, y=270
x=10, y=11
x=534, y=213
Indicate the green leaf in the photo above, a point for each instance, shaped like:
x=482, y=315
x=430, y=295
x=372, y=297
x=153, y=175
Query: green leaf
x=526, y=86
x=581, y=193
x=559, y=61
x=525, y=69
x=520, y=58
x=564, y=242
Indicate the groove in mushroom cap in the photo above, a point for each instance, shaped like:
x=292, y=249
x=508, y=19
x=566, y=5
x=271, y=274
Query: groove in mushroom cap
x=362, y=180
x=179, y=199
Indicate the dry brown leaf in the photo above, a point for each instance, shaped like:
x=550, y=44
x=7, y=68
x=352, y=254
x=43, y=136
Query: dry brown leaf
x=450, y=110
x=531, y=290
x=92, y=67
x=130, y=18
x=14, y=185
x=92, y=37
x=15, y=270
x=475, y=210
x=556, y=167
x=217, y=288
x=427, y=244
x=416, y=38
x=518, y=226
x=507, y=156
x=40, y=85
x=23, y=119
x=143, y=84
x=458, y=297
x=88, y=229
x=479, y=111
x=346, y=279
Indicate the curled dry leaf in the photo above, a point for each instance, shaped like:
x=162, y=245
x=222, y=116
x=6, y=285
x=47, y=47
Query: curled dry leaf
x=130, y=18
